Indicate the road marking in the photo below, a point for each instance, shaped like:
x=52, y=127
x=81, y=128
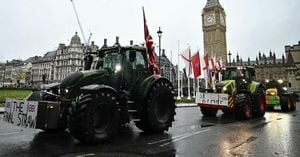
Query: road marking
x=177, y=138
x=234, y=150
x=10, y=133
x=184, y=137
x=85, y=155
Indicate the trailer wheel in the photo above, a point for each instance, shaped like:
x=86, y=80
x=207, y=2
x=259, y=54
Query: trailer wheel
x=157, y=115
x=208, y=112
x=244, y=107
x=94, y=118
x=260, y=104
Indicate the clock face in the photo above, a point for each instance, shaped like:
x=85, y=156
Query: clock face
x=210, y=19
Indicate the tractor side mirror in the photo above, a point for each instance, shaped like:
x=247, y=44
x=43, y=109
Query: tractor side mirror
x=132, y=56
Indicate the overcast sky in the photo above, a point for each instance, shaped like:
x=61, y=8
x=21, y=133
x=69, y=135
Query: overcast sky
x=33, y=27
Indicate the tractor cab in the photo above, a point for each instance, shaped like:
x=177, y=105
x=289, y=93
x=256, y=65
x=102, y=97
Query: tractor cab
x=242, y=75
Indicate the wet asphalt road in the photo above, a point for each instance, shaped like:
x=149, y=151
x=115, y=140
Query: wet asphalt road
x=277, y=134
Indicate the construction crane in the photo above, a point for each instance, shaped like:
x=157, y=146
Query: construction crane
x=88, y=59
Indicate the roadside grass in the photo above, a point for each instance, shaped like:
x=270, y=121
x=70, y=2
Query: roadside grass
x=185, y=100
x=13, y=93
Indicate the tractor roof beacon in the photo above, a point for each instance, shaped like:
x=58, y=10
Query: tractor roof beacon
x=120, y=87
x=236, y=94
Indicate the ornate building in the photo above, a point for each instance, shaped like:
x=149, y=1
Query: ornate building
x=214, y=29
x=55, y=65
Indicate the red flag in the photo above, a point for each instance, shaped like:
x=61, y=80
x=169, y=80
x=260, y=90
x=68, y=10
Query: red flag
x=149, y=43
x=206, y=61
x=196, y=64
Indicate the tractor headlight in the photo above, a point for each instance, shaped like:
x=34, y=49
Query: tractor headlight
x=66, y=91
x=284, y=88
x=225, y=89
x=117, y=68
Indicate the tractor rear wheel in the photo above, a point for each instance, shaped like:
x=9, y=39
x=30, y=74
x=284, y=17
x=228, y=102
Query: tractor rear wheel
x=208, y=112
x=244, y=107
x=157, y=115
x=94, y=118
x=259, y=103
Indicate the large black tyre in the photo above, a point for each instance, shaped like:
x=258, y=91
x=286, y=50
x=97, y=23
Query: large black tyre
x=285, y=103
x=244, y=107
x=95, y=117
x=208, y=112
x=259, y=103
x=293, y=107
x=157, y=113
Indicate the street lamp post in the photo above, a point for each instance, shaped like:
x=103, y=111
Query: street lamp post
x=229, y=54
x=159, y=32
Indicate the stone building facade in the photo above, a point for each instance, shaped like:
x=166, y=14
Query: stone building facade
x=293, y=66
x=55, y=65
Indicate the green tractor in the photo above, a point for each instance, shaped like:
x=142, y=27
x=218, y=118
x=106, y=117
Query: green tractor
x=236, y=94
x=278, y=97
x=122, y=87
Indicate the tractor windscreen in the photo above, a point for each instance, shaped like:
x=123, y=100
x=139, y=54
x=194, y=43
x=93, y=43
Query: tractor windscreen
x=112, y=61
x=231, y=74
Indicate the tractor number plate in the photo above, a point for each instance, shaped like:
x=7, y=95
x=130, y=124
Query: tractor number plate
x=21, y=113
x=212, y=98
x=277, y=107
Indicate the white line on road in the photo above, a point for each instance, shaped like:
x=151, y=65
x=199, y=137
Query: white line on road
x=178, y=137
x=10, y=133
x=184, y=137
x=86, y=155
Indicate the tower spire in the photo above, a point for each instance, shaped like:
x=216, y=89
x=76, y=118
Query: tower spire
x=212, y=3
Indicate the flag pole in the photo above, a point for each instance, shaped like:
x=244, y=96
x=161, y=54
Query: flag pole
x=170, y=68
x=178, y=74
x=189, y=88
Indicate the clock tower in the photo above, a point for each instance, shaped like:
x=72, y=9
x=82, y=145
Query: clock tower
x=214, y=30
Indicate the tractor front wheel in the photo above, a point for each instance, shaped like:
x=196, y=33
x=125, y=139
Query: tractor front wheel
x=94, y=118
x=259, y=104
x=157, y=114
x=244, y=107
x=286, y=103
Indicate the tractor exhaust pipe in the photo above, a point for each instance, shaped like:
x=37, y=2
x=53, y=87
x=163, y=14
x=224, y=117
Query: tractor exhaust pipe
x=131, y=42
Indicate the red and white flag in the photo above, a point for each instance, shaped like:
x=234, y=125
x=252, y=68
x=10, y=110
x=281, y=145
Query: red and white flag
x=196, y=64
x=212, y=65
x=149, y=43
x=206, y=62
x=186, y=56
x=219, y=64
